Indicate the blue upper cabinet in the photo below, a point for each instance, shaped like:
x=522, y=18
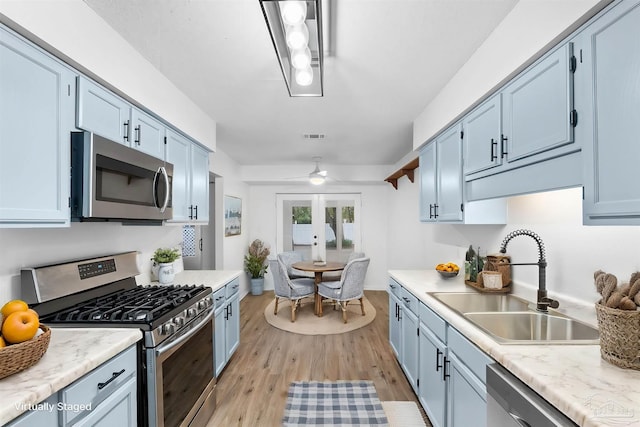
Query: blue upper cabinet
x=537, y=113
x=610, y=89
x=482, y=132
x=147, y=134
x=428, y=182
x=102, y=112
x=37, y=99
x=190, y=197
x=449, y=176
x=535, y=148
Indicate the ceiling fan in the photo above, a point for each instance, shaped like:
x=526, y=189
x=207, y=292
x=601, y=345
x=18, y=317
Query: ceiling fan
x=317, y=176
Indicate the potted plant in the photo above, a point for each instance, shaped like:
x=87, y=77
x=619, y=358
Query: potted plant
x=255, y=263
x=164, y=258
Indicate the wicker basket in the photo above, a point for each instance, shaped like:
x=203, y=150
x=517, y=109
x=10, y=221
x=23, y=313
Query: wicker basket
x=501, y=263
x=18, y=357
x=619, y=336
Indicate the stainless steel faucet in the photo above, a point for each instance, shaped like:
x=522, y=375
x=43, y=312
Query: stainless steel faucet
x=543, y=302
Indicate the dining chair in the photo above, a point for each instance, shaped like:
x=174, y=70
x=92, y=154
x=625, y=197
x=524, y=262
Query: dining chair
x=350, y=286
x=292, y=289
x=289, y=258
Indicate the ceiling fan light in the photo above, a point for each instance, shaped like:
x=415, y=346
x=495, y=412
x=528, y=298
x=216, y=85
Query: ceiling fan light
x=316, y=179
x=297, y=36
x=304, y=77
x=293, y=12
x=301, y=58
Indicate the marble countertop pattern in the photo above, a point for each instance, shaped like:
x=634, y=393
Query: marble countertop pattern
x=573, y=378
x=72, y=353
x=215, y=279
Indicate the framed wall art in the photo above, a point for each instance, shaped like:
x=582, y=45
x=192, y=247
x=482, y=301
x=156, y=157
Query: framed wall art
x=232, y=216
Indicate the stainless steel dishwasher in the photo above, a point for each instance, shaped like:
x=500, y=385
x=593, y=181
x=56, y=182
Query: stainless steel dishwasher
x=510, y=402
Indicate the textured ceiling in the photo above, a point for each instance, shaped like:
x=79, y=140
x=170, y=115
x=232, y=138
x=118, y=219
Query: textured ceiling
x=390, y=58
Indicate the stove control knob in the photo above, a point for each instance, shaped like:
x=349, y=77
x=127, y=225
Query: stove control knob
x=179, y=321
x=202, y=304
x=191, y=312
x=168, y=328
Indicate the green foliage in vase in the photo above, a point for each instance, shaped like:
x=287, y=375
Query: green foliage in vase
x=165, y=255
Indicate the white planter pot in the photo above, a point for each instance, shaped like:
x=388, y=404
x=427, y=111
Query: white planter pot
x=166, y=274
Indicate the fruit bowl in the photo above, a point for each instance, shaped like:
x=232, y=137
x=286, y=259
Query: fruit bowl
x=448, y=270
x=448, y=274
x=18, y=357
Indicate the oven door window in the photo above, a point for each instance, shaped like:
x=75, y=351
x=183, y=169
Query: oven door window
x=186, y=374
x=121, y=182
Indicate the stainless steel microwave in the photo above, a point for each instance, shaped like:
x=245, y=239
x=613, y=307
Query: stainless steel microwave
x=110, y=181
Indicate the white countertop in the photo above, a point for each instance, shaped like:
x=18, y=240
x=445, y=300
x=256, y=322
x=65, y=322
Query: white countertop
x=71, y=354
x=215, y=279
x=573, y=378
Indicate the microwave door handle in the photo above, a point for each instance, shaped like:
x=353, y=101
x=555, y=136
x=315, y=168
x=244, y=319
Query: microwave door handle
x=163, y=171
x=167, y=188
x=154, y=189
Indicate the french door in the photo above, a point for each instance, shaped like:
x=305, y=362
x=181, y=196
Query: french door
x=323, y=227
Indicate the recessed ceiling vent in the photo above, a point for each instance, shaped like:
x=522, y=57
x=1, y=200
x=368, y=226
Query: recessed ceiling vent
x=314, y=136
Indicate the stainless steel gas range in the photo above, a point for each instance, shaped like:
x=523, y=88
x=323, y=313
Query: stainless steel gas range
x=176, y=377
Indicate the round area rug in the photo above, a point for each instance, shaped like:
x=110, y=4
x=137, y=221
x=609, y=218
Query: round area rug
x=308, y=323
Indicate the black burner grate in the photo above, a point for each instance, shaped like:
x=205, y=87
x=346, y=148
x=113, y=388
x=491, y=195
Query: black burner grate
x=142, y=304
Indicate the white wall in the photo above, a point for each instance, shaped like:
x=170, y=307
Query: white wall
x=573, y=251
x=233, y=247
x=530, y=26
x=35, y=247
x=374, y=222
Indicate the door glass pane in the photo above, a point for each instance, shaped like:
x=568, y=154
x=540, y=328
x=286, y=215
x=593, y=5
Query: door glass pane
x=297, y=228
x=339, y=229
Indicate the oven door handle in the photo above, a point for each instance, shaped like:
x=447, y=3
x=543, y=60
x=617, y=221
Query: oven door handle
x=163, y=349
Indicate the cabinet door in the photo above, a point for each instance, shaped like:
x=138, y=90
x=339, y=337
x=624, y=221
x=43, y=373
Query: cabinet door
x=39, y=417
x=467, y=396
x=233, y=325
x=178, y=154
x=102, y=112
x=220, y=339
x=394, y=324
x=428, y=196
x=148, y=134
x=432, y=390
x=36, y=118
x=119, y=409
x=612, y=60
x=200, y=183
x=482, y=131
x=449, y=167
x=537, y=107
x=410, y=346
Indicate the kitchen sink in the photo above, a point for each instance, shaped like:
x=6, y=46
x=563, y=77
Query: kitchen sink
x=512, y=320
x=529, y=327
x=466, y=302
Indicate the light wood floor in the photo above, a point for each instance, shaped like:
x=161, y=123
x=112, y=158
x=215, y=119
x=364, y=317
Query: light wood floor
x=252, y=389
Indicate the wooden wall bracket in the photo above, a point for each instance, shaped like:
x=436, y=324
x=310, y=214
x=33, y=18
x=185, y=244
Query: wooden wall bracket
x=407, y=170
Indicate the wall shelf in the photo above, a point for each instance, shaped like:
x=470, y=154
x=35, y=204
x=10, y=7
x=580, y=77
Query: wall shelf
x=407, y=170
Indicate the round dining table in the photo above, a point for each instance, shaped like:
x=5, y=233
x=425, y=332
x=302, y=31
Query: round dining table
x=318, y=268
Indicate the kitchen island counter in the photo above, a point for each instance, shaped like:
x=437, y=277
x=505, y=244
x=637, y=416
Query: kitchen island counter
x=72, y=353
x=572, y=377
